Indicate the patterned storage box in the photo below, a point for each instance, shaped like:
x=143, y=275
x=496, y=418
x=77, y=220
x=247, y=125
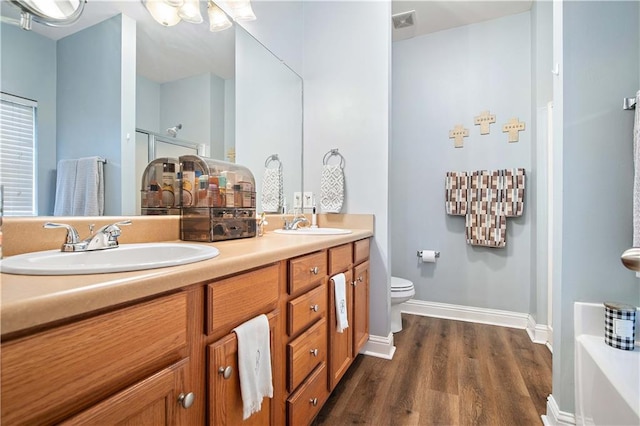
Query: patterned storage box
x=619, y=325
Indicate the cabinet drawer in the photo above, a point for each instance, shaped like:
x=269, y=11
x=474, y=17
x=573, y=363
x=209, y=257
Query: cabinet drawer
x=54, y=374
x=360, y=251
x=306, y=271
x=305, y=352
x=234, y=300
x=306, y=309
x=305, y=404
x=340, y=258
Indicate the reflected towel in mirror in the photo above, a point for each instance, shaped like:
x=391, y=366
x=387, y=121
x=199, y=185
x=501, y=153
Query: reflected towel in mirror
x=80, y=187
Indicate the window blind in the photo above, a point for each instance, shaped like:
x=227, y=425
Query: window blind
x=17, y=155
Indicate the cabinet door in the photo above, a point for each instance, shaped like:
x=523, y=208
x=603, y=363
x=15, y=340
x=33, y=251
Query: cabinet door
x=340, y=344
x=225, y=398
x=360, y=306
x=153, y=401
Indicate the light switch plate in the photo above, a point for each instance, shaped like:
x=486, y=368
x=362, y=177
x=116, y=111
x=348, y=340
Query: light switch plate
x=297, y=200
x=307, y=200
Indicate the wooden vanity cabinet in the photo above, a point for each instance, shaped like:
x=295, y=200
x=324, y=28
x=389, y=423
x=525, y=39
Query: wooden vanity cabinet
x=306, y=350
x=352, y=260
x=225, y=398
x=130, y=357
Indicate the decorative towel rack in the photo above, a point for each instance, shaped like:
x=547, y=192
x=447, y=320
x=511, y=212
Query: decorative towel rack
x=333, y=153
x=273, y=157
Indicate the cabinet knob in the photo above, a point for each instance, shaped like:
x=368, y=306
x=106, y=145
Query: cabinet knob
x=314, y=270
x=360, y=279
x=315, y=307
x=186, y=399
x=225, y=371
x=314, y=352
x=354, y=283
x=313, y=401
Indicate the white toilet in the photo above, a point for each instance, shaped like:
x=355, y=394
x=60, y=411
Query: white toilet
x=401, y=291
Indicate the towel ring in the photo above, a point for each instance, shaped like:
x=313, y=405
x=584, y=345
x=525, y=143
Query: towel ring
x=333, y=153
x=273, y=157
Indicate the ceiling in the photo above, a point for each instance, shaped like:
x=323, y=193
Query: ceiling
x=169, y=53
x=432, y=16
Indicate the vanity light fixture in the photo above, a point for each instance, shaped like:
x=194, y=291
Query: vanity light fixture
x=190, y=12
x=218, y=20
x=47, y=12
x=171, y=12
x=241, y=10
x=162, y=12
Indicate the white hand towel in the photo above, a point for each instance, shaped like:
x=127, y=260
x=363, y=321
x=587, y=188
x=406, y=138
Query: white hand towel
x=340, y=288
x=272, y=190
x=65, y=187
x=331, y=188
x=254, y=363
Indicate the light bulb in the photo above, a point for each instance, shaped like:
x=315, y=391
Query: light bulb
x=190, y=11
x=162, y=12
x=218, y=20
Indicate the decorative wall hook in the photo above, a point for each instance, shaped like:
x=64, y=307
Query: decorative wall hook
x=513, y=127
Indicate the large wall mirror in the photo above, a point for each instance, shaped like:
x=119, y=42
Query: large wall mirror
x=116, y=79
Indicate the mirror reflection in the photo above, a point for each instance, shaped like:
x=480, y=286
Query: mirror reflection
x=98, y=94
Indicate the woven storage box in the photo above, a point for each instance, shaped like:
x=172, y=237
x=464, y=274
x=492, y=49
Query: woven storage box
x=619, y=325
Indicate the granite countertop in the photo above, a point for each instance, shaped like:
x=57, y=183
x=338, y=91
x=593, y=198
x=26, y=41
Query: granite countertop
x=32, y=301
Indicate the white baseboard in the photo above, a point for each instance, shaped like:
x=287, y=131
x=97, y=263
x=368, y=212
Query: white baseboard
x=466, y=313
x=537, y=333
x=555, y=417
x=379, y=346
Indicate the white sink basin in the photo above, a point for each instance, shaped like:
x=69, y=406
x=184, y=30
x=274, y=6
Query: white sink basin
x=127, y=257
x=313, y=231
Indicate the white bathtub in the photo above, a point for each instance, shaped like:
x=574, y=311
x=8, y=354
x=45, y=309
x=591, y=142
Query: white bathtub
x=607, y=379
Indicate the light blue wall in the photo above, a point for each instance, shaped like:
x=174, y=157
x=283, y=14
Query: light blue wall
x=216, y=120
x=89, y=101
x=347, y=89
x=147, y=104
x=440, y=80
x=268, y=113
x=29, y=71
x=601, y=64
x=187, y=102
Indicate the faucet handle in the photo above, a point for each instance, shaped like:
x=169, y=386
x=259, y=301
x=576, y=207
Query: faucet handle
x=72, y=235
x=113, y=230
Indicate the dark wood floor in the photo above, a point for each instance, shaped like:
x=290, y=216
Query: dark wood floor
x=446, y=373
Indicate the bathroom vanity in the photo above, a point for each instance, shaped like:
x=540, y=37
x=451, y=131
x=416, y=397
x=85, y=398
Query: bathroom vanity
x=157, y=346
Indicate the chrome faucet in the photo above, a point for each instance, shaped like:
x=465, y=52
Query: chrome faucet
x=295, y=222
x=104, y=238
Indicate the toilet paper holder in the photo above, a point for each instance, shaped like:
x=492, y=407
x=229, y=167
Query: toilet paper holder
x=437, y=253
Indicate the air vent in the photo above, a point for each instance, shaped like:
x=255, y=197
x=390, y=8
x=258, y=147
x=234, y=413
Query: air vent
x=404, y=19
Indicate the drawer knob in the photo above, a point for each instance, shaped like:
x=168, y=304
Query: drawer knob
x=315, y=307
x=314, y=270
x=314, y=352
x=225, y=371
x=186, y=399
x=313, y=401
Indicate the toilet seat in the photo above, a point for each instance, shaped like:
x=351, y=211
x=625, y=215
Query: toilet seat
x=400, y=284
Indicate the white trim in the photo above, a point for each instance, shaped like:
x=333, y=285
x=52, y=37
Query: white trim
x=466, y=313
x=555, y=417
x=539, y=333
x=19, y=100
x=379, y=347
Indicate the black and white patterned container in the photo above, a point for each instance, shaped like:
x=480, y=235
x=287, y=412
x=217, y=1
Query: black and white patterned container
x=620, y=325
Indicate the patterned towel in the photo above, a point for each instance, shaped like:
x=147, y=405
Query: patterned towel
x=272, y=190
x=331, y=188
x=486, y=199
